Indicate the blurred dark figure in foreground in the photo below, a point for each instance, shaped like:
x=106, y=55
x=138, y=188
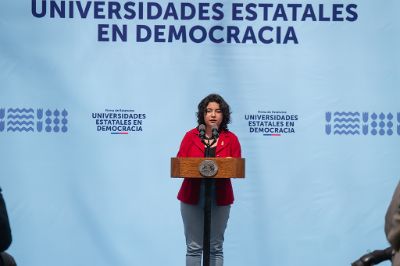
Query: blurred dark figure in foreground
x=374, y=257
x=5, y=235
x=392, y=230
x=392, y=225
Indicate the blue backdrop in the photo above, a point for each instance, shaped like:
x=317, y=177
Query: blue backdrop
x=96, y=96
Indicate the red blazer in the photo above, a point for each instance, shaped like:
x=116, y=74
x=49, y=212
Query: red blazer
x=191, y=146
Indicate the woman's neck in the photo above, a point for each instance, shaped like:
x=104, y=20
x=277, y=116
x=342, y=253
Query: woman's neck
x=208, y=132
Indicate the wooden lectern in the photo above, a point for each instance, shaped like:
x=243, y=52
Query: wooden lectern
x=208, y=168
x=189, y=167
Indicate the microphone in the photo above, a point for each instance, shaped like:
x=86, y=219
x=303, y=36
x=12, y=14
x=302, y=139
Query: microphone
x=202, y=131
x=215, y=133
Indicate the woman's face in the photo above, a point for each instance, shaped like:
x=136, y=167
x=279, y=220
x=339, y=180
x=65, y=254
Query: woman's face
x=213, y=115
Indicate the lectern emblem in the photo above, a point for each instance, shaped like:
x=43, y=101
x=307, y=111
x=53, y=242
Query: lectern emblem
x=208, y=168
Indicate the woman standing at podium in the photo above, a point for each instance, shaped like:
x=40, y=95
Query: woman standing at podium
x=212, y=112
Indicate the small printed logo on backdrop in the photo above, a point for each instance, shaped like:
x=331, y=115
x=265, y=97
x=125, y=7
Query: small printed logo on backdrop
x=362, y=123
x=41, y=120
x=272, y=123
x=119, y=121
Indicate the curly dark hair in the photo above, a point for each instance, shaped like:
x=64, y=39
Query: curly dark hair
x=224, y=106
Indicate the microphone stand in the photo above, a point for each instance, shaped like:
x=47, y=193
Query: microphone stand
x=207, y=208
